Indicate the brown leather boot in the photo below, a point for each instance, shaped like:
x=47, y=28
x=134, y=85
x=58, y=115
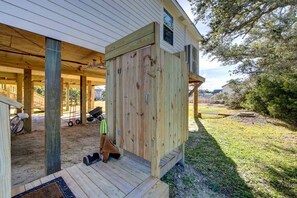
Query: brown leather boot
x=109, y=149
x=102, y=141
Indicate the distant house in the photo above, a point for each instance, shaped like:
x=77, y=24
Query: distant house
x=227, y=89
x=99, y=93
x=215, y=91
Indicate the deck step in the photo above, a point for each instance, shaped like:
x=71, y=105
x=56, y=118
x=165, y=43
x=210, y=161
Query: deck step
x=151, y=187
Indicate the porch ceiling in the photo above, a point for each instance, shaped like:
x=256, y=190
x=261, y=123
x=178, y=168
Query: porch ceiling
x=22, y=49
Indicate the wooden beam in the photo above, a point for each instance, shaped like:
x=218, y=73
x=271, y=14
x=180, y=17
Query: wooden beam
x=5, y=152
x=62, y=95
x=149, y=29
x=10, y=78
x=194, y=88
x=138, y=39
x=28, y=102
x=155, y=124
x=83, y=102
x=25, y=63
x=195, y=103
x=171, y=163
x=110, y=103
x=8, y=82
x=67, y=96
x=7, y=75
x=11, y=102
x=19, y=79
x=52, y=106
x=195, y=78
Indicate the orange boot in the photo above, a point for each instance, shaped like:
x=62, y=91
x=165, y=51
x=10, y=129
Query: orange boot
x=102, y=141
x=109, y=149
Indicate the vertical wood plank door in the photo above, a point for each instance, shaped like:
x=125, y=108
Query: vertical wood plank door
x=133, y=95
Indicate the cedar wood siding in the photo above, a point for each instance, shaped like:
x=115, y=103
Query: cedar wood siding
x=91, y=24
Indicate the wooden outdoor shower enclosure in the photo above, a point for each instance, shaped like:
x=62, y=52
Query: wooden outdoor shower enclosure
x=147, y=96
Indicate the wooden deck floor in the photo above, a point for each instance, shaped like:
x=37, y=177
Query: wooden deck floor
x=117, y=178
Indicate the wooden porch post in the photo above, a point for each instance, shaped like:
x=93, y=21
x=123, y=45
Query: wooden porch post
x=19, y=80
x=52, y=106
x=67, y=96
x=8, y=88
x=28, y=103
x=155, y=124
x=62, y=94
x=90, y=96
x=83, y=102
x=195, y=103
x=93, y=97
x=32, y=97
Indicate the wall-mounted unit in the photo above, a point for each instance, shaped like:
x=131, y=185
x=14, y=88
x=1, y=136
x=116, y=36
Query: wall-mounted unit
x=192, y=58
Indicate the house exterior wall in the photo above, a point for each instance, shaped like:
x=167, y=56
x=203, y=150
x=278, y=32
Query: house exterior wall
x=92, y=24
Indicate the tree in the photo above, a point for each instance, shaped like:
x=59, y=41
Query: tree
x=260, y=37
x=240, y=88
x=274, y=95
x=265, y=28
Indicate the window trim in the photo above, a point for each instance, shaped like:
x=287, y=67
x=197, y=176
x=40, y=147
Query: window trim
x=169, y=28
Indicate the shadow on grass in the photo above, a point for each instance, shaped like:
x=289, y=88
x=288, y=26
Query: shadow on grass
x=284, y=124
x=205, y=155
x=283, y=180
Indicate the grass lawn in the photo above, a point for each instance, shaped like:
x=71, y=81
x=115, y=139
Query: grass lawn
x=236, y=159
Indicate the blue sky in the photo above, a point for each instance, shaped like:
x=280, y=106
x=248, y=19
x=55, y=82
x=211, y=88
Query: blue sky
x=215, y=74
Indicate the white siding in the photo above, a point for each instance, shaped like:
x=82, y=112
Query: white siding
x=89, y=23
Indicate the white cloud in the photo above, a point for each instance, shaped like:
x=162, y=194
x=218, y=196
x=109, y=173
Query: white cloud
x=205, y=63
x=213, y=83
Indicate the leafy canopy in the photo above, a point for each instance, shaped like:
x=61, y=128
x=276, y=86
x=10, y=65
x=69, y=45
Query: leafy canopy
x=255, y=35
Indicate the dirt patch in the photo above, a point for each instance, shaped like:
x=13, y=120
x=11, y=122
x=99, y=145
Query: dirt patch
x=186, y=182
x=257, y=119
x=28, y=151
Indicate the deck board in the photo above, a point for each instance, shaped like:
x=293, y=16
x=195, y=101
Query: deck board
x=75, y=188
x=17, y=190
x=105, y=185
x=117, y=178
x=123, y=174
x=47, y=178
x=143, y=188
x=157, y=190
x=114, y=178
x=132, y=169
x=85, y=183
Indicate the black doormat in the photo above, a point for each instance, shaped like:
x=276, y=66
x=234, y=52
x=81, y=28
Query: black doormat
x=56, y=188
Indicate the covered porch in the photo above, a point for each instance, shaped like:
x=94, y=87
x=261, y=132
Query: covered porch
x=28, y=60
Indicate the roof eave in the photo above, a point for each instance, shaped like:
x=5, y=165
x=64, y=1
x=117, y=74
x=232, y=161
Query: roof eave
x=192, y=25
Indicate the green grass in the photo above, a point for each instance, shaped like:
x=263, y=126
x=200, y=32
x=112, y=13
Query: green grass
x=243, y=160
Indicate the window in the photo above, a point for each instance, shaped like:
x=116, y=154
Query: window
x=167, y=27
